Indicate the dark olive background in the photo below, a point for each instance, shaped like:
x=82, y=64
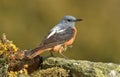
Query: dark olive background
x=26, y=22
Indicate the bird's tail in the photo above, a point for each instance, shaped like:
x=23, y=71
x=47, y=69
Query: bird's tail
x=33, y=53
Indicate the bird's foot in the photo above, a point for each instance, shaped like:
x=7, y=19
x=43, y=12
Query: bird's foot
x=64, y=56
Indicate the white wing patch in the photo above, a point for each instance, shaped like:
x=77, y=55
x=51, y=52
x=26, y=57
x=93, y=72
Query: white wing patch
x=55, y=31
x=61, y=30
x=52, y=33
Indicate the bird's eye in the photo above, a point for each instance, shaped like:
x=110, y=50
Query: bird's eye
x=68, y=20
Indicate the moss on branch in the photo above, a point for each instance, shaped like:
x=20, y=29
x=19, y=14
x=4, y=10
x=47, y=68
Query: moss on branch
x=80, y=68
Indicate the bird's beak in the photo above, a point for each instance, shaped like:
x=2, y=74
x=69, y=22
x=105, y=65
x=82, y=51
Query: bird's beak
x=79, y=19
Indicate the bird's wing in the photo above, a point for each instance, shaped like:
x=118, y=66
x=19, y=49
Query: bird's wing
x=57, y=38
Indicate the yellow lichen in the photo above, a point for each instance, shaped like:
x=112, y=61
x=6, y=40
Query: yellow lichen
x=12, y=74
x=18, y=73
x=7, y=53
x=26, y=66
x=7, y=48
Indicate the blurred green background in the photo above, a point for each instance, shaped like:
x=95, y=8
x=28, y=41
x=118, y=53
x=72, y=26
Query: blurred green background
x=26, y=22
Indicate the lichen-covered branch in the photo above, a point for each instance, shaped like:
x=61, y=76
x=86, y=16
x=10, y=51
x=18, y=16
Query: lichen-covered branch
x=80, y=68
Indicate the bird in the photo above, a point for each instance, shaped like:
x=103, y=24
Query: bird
x=59, y=38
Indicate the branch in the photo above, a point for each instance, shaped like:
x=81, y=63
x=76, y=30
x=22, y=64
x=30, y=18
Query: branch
x=80, y=68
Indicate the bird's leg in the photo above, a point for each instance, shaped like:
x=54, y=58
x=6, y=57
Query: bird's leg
x=64, y=47
x=61, y=50
x=64, y=56
x=51, y=53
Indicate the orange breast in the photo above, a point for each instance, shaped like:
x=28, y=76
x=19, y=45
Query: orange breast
x=61, y=47
x=72, y=39
x=57, y=48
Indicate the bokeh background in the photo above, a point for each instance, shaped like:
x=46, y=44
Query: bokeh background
x=26, y=22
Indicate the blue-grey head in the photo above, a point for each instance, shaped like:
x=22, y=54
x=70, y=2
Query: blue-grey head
x=69, y=21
